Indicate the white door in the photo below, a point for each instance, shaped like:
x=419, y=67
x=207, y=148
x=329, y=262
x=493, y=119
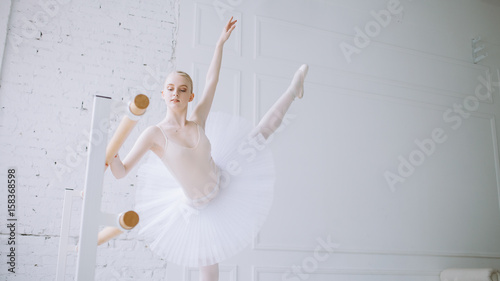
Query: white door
x=387, y=169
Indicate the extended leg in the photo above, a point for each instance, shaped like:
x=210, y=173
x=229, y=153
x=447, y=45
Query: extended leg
x=274, y=116
x=209, y=273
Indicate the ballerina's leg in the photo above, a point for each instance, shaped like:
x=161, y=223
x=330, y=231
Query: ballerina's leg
x=209, y=273
x=274, y=116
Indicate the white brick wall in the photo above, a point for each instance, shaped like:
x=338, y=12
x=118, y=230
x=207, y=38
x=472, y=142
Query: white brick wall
x=56, y=58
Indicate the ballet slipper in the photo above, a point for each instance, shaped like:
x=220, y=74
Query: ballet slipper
x=297, y=86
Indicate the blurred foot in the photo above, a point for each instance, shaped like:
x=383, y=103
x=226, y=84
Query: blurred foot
x=297, y=85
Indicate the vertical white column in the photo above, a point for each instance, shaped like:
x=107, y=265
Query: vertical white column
x=91, y=211
x=63, y=240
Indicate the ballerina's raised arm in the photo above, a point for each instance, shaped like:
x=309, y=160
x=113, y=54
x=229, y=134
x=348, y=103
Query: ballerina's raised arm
x=202, y=109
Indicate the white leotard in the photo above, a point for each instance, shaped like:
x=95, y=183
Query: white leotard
x=193, y=168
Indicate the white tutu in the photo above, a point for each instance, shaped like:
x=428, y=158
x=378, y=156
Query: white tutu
x=203, y=236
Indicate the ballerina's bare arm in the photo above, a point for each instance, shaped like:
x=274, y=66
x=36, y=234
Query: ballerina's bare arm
x=200, y=112
x=145, y=142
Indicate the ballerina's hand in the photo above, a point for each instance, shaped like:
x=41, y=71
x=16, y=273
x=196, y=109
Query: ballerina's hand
x=226, y=32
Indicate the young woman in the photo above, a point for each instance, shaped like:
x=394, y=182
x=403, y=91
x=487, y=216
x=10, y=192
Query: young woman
x=207, y=191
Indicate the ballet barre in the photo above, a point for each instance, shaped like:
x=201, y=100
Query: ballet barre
x=99, y=154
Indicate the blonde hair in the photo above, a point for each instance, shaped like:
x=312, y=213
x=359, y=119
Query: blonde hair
x=183, y=74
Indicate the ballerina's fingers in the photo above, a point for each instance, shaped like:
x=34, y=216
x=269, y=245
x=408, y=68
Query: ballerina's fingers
x=226, y=32
x=230, y=25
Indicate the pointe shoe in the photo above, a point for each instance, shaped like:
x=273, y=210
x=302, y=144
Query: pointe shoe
x=302, y=71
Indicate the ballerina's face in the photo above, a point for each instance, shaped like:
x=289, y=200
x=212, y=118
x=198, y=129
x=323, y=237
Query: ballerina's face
x=177, y=91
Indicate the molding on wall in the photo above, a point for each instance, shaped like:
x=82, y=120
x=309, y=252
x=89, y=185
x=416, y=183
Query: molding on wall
x=283, y=248
x=410, y=52
x=365, y=95
x=198, y=10
x=258, y=270
x=258, y=245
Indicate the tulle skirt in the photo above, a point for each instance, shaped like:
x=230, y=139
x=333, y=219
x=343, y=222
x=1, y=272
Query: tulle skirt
x=200, y=236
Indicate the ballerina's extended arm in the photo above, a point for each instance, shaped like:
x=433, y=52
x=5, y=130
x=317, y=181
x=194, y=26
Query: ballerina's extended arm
x=202, y=109
x=121, y=169
x=142, y=145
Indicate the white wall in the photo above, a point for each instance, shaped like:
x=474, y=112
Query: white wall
x=358, y=116
x=56, y=59
x=4, y=19
x=393, y=92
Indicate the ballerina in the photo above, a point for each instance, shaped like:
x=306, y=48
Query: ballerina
x=208, y=188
